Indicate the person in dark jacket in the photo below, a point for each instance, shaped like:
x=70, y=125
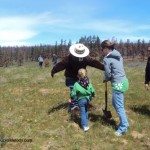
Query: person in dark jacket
x=147, y=71
x=77, y=59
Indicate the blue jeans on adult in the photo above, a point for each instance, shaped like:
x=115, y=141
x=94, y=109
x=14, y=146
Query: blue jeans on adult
x=118, y=104
x=83, y=106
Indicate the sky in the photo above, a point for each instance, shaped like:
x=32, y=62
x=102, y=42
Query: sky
x=34, y=22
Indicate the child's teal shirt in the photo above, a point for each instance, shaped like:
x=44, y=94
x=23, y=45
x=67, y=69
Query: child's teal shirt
x=80, y=92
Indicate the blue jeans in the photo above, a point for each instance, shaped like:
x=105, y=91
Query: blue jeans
x=118, y=104
x=83, y=106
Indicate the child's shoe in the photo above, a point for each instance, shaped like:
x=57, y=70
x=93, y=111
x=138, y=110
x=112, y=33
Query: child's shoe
x=118, y=133
x=85, y=129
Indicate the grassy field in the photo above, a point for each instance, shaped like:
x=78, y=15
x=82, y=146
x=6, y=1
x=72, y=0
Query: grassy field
x=34, y=106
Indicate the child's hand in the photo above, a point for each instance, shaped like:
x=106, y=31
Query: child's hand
x=69, y=100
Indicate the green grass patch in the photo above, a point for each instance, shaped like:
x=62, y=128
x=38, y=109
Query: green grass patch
x=33, y=106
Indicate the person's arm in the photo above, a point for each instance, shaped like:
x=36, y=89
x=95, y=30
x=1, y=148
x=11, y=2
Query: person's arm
x=94, y=63
x=59, y=66
x=107, y=73
x=146, y=73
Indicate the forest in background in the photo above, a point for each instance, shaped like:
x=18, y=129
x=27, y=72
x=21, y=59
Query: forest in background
x=20, y=54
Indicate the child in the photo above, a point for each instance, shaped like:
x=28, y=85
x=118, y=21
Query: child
x=83, y=91
x=114, y=72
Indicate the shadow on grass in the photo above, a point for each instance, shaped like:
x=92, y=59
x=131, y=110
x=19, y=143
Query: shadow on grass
x=2, y=140
x=75, y=118
x=59, y=106
x=93, y=118
x=141, y=109
x=103, y=120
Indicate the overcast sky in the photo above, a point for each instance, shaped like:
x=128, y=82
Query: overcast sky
x=30, y=22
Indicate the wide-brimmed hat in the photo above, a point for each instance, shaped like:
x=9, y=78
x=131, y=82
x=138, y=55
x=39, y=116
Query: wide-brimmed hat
x=79, y=50
x=107, y=44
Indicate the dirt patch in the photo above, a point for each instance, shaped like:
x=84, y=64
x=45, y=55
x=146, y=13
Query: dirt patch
x=51, y=91
x=137, y=135
x=45, y=91
x=3, y=80
x=75, y=126
x=147, y=143
x=54, y=145
x=40, y=78
x=16, y=91
x=19, y=76
x=125, y=142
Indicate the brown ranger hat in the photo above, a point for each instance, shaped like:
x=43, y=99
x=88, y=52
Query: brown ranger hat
x=107, y=44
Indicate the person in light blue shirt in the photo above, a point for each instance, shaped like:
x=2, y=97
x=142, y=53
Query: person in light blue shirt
x=115, y=73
